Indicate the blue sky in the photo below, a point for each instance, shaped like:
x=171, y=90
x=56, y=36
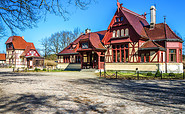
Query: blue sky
x=98, y=16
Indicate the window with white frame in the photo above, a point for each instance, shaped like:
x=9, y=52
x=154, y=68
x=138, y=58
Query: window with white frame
x=126, y=32
x=122, y=32
x=118, y=33
x=114, y=34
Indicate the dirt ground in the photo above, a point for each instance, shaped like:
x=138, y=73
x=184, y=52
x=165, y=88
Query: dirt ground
x=80, y=92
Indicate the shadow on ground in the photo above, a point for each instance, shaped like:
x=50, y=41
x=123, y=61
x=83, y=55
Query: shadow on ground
x=169, y=94
x=29, y=103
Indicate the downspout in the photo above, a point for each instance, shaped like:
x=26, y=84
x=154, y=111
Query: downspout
x=165, y=45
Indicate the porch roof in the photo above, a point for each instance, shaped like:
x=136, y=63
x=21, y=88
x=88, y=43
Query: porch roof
x=151, y=45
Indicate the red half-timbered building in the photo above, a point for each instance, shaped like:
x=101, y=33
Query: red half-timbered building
x=129, y=42
x=20, y=53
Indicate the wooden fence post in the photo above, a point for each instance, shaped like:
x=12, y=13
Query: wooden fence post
x=100, y=73
x=116, y=75
x=161, y=75
x=138, y=75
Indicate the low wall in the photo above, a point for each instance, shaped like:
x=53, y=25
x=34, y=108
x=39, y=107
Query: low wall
x=146, y=67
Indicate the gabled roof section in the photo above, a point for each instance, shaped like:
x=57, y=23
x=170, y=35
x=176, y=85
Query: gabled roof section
x=161, y=31
x=94, y=37
x=26, y=50
x=2, y=57
x=19, y=43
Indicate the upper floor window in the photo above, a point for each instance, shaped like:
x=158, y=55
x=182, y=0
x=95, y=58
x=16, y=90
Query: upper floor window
x=118, y=33
x=122, y=32
x=172, y=55
x=114, y=34
x=121, y=18
x=117, y=19
x=126, y=32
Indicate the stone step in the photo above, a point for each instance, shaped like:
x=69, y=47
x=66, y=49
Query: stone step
x=73, y=67
x=88, y=70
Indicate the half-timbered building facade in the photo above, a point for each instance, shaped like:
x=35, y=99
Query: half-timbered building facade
x=129, y=42
x=20, y=53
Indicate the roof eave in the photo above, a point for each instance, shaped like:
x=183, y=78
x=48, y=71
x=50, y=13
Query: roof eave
x=68, y=54
x=152, y=48
x=170, y=40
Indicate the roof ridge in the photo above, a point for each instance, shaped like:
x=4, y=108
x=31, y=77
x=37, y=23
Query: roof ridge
x=132, y=12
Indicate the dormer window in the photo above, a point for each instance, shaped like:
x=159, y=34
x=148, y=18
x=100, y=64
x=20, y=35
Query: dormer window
x=121, y=18
x=117, y=19
x=85, y=45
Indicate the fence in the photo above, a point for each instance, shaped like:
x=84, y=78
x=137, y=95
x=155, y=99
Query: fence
x=141, y=76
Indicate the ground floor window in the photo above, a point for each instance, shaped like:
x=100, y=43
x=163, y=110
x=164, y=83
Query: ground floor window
x=66, y=59
x=145, y=57
x=172, y=55
x=120, y=53
x=180, y=55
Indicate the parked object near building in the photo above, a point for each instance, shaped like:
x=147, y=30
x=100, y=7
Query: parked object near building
x=129, y=42
x=20, y=53
x=2, y=58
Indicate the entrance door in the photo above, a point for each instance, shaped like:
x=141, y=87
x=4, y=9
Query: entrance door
x=90, y=60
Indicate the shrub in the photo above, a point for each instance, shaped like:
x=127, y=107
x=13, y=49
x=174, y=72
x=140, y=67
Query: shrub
x=157, y=74
x=44, y=69
x=36, y=69
x=149, y=74
x=171, y=74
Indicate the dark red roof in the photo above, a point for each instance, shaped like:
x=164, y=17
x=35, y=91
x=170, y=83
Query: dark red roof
x=94, y=37
x=2, y=57
x=150, y=45
x=160, y=31
x=19, y=43
x=137, y=21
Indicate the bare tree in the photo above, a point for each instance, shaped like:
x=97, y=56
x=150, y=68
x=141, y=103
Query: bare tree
x=55, y=45
x=58, y=41
x=46, y=47
x=22, y=14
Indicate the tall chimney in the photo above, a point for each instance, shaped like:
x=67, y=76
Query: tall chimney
x=87, y=31
x=152, y=17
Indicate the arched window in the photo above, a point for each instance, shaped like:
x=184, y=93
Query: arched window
x=122, y=32
x=114, y=34
x=126, y=32
x=118, y=33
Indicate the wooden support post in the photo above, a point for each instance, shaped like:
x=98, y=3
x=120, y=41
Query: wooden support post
x=137, y=72
x=161, y=75
x=183, y=75
x=138, y=75
x=100, y=73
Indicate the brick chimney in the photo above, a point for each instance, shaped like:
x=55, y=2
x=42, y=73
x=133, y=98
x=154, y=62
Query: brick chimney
x=87, y=31
x=152, y=16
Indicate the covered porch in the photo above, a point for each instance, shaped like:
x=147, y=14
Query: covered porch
x=92, y=59
x=35, y=62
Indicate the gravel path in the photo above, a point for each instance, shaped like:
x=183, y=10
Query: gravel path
x=79, y=92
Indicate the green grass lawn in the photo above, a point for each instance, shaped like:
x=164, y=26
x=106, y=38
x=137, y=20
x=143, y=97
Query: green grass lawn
x=122, y=75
